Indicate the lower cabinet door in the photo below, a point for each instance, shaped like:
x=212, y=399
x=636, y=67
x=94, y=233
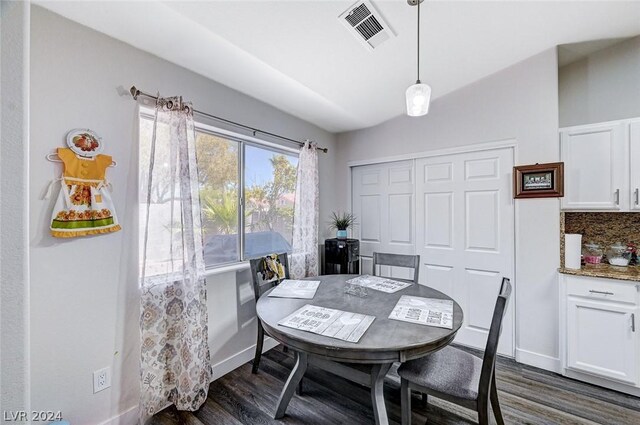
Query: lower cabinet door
x=602, y=339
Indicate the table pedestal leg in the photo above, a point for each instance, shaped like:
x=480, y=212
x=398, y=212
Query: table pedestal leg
x=378, y=372
x=292, y=382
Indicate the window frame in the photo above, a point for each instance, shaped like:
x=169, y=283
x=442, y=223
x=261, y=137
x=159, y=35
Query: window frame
x=243, y=141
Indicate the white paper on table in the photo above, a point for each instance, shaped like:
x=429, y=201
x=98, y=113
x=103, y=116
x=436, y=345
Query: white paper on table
x=288, y=288
x=424, y=311
x=349, y=326
x=329, y=322
x=379, y=283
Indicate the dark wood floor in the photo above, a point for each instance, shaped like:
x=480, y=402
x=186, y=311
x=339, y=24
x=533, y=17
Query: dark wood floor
x=527, y=396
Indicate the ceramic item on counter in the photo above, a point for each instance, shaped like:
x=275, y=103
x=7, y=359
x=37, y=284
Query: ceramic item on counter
x=632, y=249
x=618, y=255
x=592, y=253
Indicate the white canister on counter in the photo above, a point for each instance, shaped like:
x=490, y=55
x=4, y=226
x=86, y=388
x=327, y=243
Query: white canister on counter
x=572, y=250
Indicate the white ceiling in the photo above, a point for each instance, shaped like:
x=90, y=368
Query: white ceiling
x=297, y=56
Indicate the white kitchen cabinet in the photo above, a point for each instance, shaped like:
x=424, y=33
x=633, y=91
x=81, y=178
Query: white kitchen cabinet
x=596, y=177
x=599, y=332
x=601, y=339
x=634, y=162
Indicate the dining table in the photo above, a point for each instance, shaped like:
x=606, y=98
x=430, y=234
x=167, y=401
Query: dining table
x=366, y=361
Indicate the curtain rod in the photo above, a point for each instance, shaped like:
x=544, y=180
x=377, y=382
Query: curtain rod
x=135, y=93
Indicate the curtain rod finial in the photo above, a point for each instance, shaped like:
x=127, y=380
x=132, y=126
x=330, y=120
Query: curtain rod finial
x=134, y=92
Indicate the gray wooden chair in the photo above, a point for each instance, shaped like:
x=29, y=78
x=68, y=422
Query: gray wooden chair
x=397, y=260
x=259, y=288
x=458, y=376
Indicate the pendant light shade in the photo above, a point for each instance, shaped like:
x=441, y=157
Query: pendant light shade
x=418, y=95
x=418, y=99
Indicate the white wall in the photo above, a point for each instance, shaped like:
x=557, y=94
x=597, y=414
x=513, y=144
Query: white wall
x=14, y=253
x=84, y=307
x=520, y=102
x=604, y=86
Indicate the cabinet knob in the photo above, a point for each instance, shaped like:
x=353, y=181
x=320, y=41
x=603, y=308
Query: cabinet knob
x=617, y=196
x=636, y=196
x=633, y=322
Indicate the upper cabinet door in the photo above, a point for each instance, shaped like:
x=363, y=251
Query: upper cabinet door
x=634, y=146
x=595, y=164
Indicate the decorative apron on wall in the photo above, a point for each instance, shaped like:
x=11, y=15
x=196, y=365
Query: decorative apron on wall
x=84, y=206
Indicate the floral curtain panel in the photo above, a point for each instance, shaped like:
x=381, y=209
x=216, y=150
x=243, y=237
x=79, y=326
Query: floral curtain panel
x=175, y=362
x=304, y=259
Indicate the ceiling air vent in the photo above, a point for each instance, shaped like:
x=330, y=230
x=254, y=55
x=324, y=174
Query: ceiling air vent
x=366, y=24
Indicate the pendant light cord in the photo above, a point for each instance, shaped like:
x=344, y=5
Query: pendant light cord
x=418, y=80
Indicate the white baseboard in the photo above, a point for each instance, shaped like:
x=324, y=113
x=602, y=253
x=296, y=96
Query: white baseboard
x=128, y=417
x=235, y=361
x=541, y=361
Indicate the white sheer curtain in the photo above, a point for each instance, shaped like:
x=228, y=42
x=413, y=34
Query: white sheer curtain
x=304, y=259
x=175, y=363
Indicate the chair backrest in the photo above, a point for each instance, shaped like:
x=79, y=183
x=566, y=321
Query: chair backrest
x=259, y=285
x=397, y=260
x=491, y=349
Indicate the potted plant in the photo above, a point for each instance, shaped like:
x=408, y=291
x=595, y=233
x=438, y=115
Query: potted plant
x=341, y=222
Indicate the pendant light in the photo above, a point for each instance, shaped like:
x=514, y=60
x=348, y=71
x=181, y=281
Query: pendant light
x=419, y=94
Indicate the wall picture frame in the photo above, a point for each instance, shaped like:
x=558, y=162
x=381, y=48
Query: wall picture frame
x=538, y=180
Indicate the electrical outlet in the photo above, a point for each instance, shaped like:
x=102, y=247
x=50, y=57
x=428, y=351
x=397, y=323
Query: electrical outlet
x=101, y=379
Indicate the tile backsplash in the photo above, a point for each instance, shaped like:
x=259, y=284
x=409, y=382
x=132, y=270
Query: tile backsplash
x=604, y=228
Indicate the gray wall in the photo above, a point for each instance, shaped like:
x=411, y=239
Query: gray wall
x=604, y=86
x=84, y=307
x=520, y=102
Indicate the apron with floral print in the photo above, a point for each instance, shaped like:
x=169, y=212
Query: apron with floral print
x=84, y=206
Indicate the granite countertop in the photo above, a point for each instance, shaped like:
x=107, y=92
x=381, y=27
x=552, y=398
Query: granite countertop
x=606, y=271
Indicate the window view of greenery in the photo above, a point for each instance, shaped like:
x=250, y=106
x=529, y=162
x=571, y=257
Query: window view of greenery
x=219, y=185
x=269, y=186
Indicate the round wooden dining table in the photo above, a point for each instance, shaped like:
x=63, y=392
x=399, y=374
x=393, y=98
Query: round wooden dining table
x=366, y=362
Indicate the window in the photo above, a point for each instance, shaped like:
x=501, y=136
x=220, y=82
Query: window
x=247, y=193
x=269, y=187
